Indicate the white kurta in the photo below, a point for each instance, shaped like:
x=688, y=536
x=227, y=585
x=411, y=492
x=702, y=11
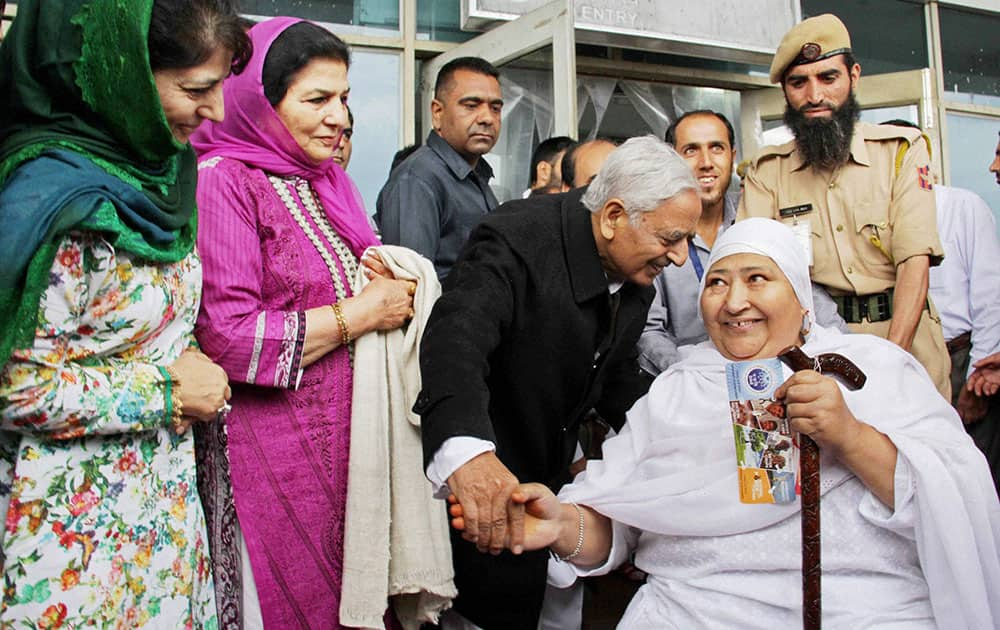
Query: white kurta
x=966, y=286
x=715, y=562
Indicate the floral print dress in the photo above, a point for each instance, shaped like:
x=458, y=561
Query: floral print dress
x=103, y=527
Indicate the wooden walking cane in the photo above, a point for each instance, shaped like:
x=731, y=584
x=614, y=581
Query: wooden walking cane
x=853, y=378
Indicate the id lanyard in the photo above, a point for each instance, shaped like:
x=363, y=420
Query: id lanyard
x=695, y=261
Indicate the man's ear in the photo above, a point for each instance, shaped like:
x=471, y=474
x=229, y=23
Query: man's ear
x=543, y=173
x=611, y=216
x=437, y=107
x=855, y=74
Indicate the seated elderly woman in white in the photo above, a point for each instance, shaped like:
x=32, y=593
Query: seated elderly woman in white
x=911, y=522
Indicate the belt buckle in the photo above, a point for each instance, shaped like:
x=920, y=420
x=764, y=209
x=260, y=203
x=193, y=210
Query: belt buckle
x=882, y=307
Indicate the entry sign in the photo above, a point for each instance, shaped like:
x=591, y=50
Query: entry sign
x=733, y=30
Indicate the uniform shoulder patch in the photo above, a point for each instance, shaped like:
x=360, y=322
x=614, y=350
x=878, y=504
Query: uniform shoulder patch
x=924, y=177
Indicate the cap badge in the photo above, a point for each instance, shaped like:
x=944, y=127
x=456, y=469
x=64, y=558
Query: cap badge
x=810, y=51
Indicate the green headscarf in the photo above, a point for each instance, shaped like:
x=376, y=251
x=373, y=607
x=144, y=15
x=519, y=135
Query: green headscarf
x=77, y=78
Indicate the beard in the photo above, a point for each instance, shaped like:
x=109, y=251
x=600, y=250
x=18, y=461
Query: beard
x=825, y=143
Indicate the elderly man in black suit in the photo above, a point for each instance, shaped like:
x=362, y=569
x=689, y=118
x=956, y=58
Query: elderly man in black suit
x=538, y=324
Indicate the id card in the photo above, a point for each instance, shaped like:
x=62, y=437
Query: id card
x=767, y=454
x=802, y=230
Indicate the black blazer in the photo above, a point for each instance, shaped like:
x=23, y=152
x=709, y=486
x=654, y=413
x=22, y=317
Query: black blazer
x=517, y=349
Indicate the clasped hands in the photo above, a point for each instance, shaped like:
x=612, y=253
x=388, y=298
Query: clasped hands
x=394, y=296
x=202, y=387
x=494, y=511
x=982, y=383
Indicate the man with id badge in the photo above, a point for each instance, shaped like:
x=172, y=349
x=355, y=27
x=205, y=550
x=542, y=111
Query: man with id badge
x=858, y=197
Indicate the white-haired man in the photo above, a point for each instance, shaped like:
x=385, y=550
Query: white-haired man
x=537, y=325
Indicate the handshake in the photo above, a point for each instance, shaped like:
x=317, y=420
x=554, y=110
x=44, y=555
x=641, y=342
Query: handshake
x=496, y=512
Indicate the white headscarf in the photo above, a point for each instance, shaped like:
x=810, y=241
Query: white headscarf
x=770, y=238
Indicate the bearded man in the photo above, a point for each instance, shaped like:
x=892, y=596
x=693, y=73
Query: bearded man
x=859, y=197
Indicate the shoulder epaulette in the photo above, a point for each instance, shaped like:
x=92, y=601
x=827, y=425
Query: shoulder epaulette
x=889, y=132
x=907, y=136
x=773, y=150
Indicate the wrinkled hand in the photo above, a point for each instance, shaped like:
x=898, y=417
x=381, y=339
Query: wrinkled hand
x=203, y=386
x=971, y=408
x=375, y=267
x=985, y=380
x=815, y=406
x=483, y=487
x=388, y=302
x=542, y=512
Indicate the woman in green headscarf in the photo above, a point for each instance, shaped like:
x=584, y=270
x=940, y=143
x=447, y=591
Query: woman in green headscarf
x=99, y=378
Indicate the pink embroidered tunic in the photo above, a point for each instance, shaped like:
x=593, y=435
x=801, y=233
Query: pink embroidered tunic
x=287, y=437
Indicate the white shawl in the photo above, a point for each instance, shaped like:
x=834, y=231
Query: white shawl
x=672, y=470
x=396, y=534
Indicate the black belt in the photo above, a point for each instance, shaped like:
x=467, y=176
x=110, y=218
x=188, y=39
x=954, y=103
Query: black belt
x=960, y=342
x=876, y=307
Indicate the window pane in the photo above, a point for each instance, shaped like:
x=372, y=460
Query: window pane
x=375, y=103
x=879, y=115
x=972, y=141
x=526, y=121
x=886, y=35
x=441, y=21
x=371, y=17
x=971, y=56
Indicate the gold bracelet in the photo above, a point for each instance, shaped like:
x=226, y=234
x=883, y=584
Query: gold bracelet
x=579, y=540
x=173, y=394
x=345, y=332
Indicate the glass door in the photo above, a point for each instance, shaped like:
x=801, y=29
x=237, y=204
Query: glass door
x=536, y=56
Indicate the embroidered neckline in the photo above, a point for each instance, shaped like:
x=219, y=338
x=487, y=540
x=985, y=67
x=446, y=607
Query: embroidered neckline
x=306, y=195
x=347, y=260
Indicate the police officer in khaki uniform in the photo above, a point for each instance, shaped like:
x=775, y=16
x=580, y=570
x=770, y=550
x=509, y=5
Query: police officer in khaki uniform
x=860, y=197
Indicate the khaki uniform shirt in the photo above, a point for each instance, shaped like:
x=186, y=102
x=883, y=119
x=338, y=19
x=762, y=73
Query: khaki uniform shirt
x=867, y=216
x=863, y=199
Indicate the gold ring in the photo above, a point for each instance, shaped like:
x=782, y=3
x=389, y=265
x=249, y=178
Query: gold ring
x=412, y=290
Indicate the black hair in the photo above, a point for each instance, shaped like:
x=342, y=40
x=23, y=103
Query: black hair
x=546, y=151
x=291, y=51
x=350, y=117
x=899, y=122
x=671, y=136
x=185, y=33
x=472, y=64
x=402, y=154
x=569, y=164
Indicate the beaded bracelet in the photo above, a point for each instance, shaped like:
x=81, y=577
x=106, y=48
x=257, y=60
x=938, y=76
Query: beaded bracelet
x=345, y=332
x=579, y=540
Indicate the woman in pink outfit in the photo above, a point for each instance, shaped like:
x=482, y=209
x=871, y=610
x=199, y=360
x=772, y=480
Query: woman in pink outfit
x=282, y=232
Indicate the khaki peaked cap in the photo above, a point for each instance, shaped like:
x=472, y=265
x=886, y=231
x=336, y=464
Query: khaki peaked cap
x=808, y=41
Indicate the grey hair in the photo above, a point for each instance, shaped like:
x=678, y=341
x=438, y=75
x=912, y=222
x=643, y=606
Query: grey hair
x=643, y=173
